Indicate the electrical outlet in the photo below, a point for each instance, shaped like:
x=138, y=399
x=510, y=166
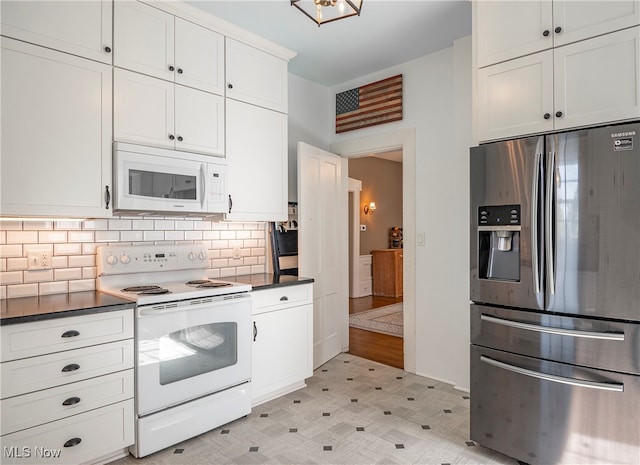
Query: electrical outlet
x=421, y=239
x=39, y=260
x=236, y=252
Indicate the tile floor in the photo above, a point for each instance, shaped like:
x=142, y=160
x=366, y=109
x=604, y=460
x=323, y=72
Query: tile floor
x=353, y=411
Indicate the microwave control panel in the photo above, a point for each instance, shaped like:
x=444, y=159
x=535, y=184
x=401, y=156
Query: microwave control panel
x=217, y=187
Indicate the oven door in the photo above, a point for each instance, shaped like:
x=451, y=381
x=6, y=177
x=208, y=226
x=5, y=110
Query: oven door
x=191, y=348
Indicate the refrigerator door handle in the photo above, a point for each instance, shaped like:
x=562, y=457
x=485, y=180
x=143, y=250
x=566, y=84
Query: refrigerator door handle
x=548, y=226
x=535, y=193
x=551, y=330
x=616, y=387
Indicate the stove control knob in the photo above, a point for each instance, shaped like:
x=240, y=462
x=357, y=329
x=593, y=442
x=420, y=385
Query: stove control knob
x=202, y=256
x=124, y=258
x=112, y=259
x=192, y=256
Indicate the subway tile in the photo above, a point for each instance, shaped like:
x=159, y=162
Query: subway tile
x=131, y=236
x=250, y=260
x=60, y=287
x=261, y=259
x=3, y=264
x=240, y=270
x=82, y=260
x=258, y=269
x=11, y=277
x=174, y=235
x=202, y=225
x=227, y=272
x=226, y=253
x=185, y=225
x=66, y=274
x=243, y=234
x=193, y=235
x=142, y=225
x=235, y=243
x=219, y=263
x=48, y=237
x=227, y=234
x=22, y=290
x=261, y=243
x=35, y=248
x=59, y=261
x=16, y=264
x=257, y=234
x=88, y=248
x=3, y=237
x=219, y=244
x=214, y=253
x=67, y=249
x=89, y=272
x=13, y=250
x=82, y=285
x=38, y=276
x=164, y=225
x=20, y=237
x=69, y=225
x=213, y=274
x=95, y=225
x=257, y=252
x=38, y=226
x=81, y=236
x=249, y=243
x=245, y=252
x=153, y=235
x=11, y=225
x=211, y=235
x=119, y=225
x=219, y=226
x=3, y=292
x=107, y=236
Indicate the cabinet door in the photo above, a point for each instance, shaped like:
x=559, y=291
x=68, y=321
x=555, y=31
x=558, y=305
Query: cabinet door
x=199, y=57
x=598, y=80
x=578, y=20
x=256, y=77
x=516, y=97
x=80, y=28
x=56, y=144
x=143, y=109
x=506, y=30
x=257, y=161
x=143, y=39
x=199, y=121
x=279, y=362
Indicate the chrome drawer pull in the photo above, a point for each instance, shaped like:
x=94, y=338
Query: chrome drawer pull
x=71, y=401
x=72, y=442
x=550, y=330
x=71, y=333
x=71, y=367
x=284, y=298
x=616, y=387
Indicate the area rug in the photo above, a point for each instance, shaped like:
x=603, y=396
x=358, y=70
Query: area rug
x=385, y=320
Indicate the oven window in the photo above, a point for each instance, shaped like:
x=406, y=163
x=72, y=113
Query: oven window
x=162, y=185
x=197, y=350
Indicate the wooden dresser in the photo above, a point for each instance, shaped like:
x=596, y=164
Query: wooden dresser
x=387, y=272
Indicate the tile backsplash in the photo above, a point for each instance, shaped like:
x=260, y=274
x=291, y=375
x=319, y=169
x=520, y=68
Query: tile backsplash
x=72, y=246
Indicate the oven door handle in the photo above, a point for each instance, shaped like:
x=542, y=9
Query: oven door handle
x=616, y=387
x=550, y=330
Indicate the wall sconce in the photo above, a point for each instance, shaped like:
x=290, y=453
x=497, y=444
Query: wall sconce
x=369, y=208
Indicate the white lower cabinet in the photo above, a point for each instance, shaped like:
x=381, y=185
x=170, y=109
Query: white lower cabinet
x=282, y=341
x=67, y=398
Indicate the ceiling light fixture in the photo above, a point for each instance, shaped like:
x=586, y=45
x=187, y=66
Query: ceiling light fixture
x=335, y=9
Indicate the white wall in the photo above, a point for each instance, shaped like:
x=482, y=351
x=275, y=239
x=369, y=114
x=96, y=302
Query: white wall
x=309, y=121
x=437, y=103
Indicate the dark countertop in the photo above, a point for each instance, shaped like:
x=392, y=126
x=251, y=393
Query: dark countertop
x=46, y=307
x=261, y=281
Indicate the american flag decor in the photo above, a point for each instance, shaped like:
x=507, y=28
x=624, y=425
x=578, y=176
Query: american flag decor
x=376, y=103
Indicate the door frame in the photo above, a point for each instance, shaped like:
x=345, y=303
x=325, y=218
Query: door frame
x=405, y=140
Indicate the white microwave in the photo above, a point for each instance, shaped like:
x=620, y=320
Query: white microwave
x=150, y=181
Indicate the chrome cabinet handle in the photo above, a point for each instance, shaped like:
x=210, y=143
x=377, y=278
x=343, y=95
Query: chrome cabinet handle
x=616, y=387
x=71, y=333
x=71, y=367
x=255, y=331
x=284, y=298
x=552, y=330
x=72, y=442
x=107, y=197
x=71, y=401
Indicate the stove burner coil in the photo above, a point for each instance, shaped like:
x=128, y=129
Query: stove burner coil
x=140, y=288
x=160, y=290
x=212, y=284
x=197, y=281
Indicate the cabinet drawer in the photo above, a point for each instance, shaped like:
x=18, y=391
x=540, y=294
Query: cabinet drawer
x=33, y=374
x=37, y=408
x=44, y=337
x=272, y=299
x=100, y=432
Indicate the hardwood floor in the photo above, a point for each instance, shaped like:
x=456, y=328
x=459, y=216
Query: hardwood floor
x=378, y=347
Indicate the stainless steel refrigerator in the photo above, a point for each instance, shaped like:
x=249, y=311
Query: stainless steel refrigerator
x=555, y=291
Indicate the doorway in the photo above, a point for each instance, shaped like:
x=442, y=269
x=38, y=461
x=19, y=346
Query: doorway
x=375, y=236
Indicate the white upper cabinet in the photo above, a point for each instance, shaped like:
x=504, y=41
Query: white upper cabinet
x=257, y=161
x=256, y=77
x=56, y=144
x=82, y=28
x=506, y=30
x=153, y=42
x=584, y=83
x=158, y=113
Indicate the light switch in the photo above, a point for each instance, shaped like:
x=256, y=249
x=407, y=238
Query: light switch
x=39, y=260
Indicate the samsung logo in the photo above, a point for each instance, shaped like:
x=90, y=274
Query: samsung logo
x=623, y=134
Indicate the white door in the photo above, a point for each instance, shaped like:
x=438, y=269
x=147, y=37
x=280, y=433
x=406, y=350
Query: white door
x=323, y=245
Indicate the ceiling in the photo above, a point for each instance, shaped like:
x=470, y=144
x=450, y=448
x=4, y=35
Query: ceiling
x=388, y=33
